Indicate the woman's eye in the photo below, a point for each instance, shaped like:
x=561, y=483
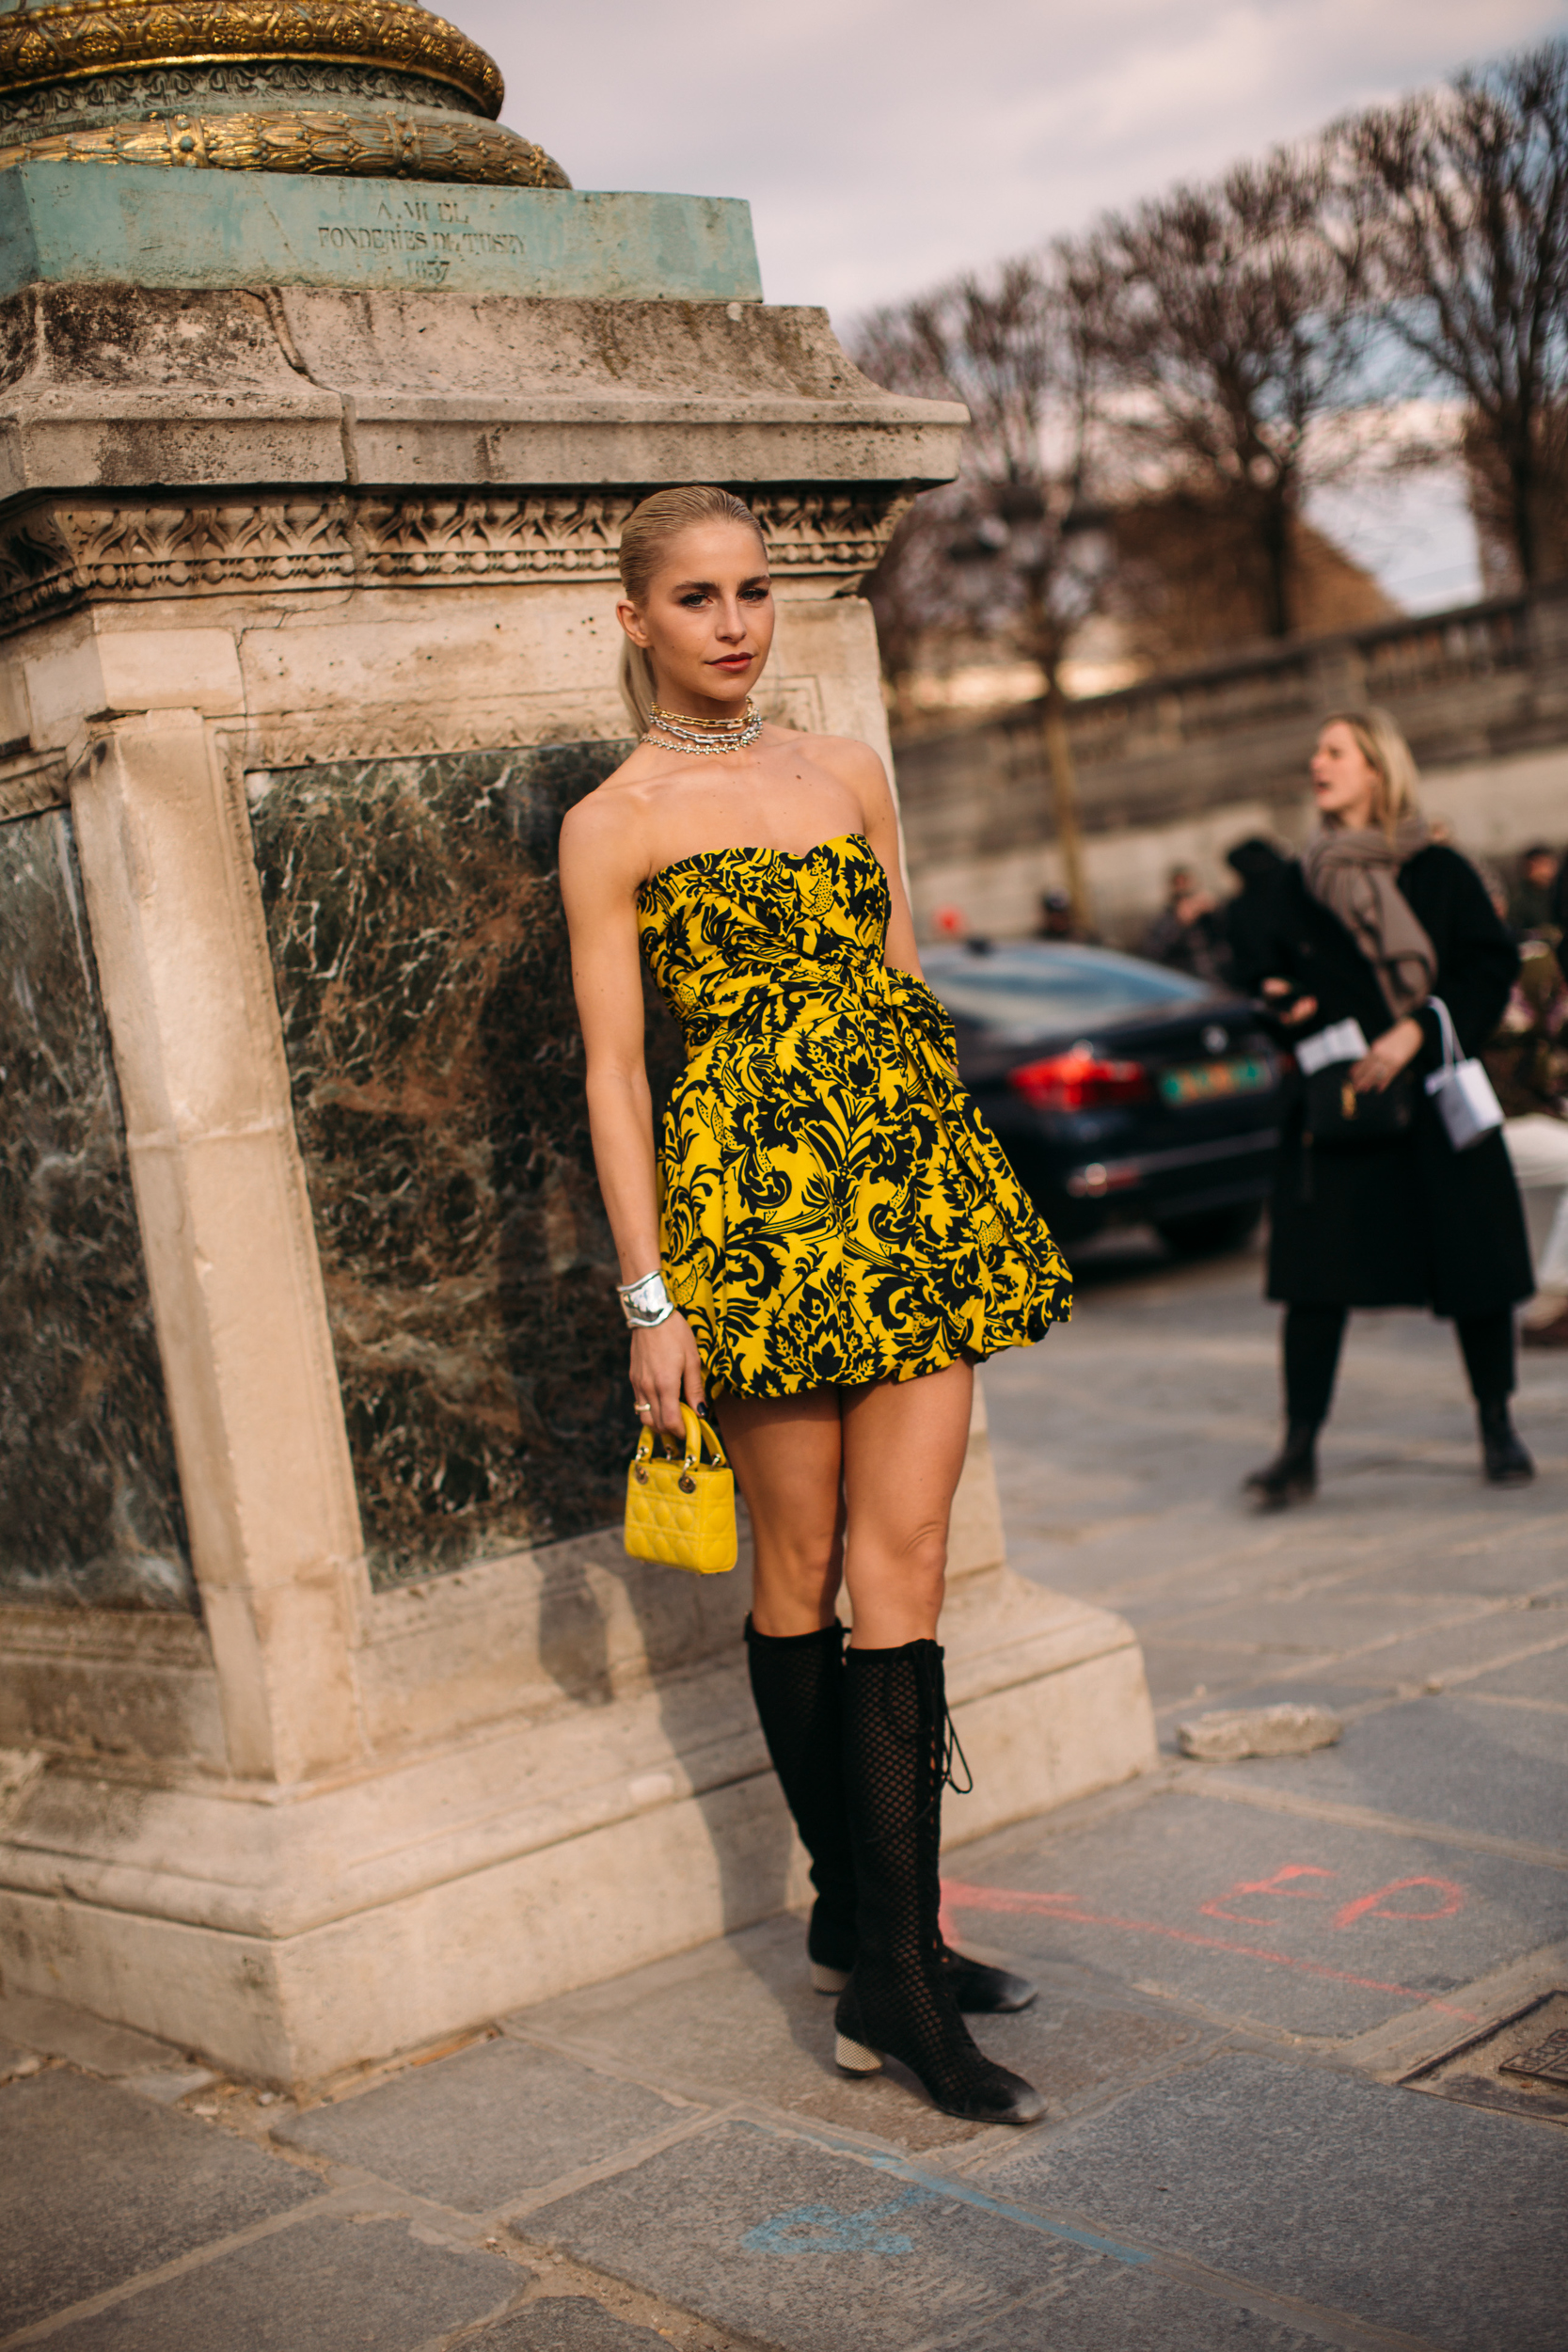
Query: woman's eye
x=757, y=595
x=694, y=599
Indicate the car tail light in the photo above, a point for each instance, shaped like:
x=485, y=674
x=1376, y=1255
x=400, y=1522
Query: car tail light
x=1079, y=1080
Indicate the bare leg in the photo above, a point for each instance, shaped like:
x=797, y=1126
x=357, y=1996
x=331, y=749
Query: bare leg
x=904, y=1445
x=903, y=1452
x=899, y=1449
x=787, y=1456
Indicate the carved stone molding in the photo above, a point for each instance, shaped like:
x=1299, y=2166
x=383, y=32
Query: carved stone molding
x=30, y=785
x=56, y=554
x=92, y=37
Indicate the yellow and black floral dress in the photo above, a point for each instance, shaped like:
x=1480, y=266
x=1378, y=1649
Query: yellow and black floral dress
x=834, y=1211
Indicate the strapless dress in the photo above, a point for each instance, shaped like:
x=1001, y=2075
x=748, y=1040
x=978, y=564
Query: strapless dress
x=834, y=1209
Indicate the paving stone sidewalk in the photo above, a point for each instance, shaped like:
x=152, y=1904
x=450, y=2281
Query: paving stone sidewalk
x=1242, y=1968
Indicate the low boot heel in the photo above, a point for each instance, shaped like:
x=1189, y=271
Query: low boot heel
x=899, y=2001
x=826, y=1979
x=1505, y=1460
x=853, y=2058
x=1292, y=1475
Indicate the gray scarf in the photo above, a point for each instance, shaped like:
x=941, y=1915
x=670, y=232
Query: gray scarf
x=1355, y=874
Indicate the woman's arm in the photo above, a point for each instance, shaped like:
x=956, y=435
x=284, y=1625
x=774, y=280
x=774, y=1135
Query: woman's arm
x=1479, y=962
x=598, y=881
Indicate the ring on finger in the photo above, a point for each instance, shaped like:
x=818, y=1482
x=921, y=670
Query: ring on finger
x=644, y=1408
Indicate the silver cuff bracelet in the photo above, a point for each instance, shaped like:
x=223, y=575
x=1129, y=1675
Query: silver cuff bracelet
x=645, y=1303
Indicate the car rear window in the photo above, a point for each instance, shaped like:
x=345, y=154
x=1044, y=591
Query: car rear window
x=1029, y=990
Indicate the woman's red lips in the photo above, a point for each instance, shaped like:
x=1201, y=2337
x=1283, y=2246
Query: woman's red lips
x=731, y=661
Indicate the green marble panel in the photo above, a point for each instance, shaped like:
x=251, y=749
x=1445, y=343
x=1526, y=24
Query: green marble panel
x=90, y=1499
x=425, y=985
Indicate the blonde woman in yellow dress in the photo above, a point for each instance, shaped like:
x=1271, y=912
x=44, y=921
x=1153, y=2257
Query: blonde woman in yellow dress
x=820, y=1247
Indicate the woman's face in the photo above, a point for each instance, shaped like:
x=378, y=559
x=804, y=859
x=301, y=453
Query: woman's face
x=708, y=618
x=1344, y=782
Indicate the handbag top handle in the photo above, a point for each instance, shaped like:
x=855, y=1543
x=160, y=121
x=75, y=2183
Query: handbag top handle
x=696, y=1432
x=1450, y=1035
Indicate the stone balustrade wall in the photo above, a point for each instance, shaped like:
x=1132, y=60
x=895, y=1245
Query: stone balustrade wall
x=1182, y=765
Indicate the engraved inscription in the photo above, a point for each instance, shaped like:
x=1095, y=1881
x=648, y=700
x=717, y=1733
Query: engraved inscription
x=428, y=234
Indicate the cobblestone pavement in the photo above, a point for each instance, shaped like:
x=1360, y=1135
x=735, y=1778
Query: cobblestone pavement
x=1242, y=1968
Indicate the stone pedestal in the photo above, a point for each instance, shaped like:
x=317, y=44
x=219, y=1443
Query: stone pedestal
x=356, y=1725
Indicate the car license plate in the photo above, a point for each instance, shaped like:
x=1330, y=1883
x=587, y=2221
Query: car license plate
x=1213, y=1081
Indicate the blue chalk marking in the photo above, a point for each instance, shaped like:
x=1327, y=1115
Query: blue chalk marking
x=791, y=2232
x=828, y=2230
x=959, y=2192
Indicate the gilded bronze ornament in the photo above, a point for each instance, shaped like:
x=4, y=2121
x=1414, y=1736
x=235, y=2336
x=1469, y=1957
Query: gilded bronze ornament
x=89, y=37
x=126, y=53
x=348, y=146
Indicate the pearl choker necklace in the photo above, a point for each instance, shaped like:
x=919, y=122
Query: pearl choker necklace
x=674, y=732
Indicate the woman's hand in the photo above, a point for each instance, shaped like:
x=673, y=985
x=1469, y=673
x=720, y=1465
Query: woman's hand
x=1380, y=1064
x=1303, y=1009
x=665, y=1366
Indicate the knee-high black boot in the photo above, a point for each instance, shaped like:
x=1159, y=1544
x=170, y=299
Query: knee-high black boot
x=899, y=2002
x=797, y=1681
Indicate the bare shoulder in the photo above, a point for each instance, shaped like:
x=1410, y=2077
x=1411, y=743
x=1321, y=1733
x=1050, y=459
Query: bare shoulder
x=605, y=814
x=604, y=830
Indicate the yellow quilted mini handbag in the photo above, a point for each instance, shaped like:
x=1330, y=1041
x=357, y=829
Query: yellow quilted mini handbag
x=682, y=1511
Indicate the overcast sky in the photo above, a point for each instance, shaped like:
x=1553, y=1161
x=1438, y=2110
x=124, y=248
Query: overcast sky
x=886, y=143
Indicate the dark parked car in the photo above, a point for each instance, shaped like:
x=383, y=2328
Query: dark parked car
x=1121, y=1091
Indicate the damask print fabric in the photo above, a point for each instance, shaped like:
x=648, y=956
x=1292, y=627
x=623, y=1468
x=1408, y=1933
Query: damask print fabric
x=834, y=1211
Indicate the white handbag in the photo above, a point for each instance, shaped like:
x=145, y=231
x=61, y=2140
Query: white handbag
x=1462, y=1091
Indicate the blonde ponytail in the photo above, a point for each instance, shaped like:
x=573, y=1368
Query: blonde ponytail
x=636, y=681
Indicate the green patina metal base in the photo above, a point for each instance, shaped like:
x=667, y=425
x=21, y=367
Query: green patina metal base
x=139, y=225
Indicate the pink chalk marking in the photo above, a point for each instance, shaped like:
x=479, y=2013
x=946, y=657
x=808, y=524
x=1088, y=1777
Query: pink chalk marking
x=964, y=1897
x=1273, y=1886
x=1366, y=1906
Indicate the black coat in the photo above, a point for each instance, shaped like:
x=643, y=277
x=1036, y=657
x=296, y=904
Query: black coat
x=1412, y=1223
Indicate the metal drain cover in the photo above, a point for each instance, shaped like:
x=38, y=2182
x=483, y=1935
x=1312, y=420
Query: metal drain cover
x=1518, y=2065
x=1546, y=2062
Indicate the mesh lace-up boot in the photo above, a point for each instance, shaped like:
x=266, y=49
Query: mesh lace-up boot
x=797, y=1681
x=899, y=2002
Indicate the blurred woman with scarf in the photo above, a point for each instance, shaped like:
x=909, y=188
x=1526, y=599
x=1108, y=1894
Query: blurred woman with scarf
x=1377, y=1209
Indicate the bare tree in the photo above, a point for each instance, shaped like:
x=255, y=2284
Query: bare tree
x=1226, y=326
x=996, y=550
x=1000, y=551
x=1457, y=203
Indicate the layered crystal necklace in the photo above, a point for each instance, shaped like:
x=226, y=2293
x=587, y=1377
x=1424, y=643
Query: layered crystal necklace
x=671, y=731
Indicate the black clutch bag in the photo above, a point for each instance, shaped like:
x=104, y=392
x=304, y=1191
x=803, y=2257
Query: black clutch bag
x=1339, y=1119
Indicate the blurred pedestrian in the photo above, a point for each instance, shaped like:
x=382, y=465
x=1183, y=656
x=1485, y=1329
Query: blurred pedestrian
x=1187, y=933
x=1532, y=900
x=1055, y=917
x=1372, y=1205
x=1258, y=864
x=1528, y=1064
